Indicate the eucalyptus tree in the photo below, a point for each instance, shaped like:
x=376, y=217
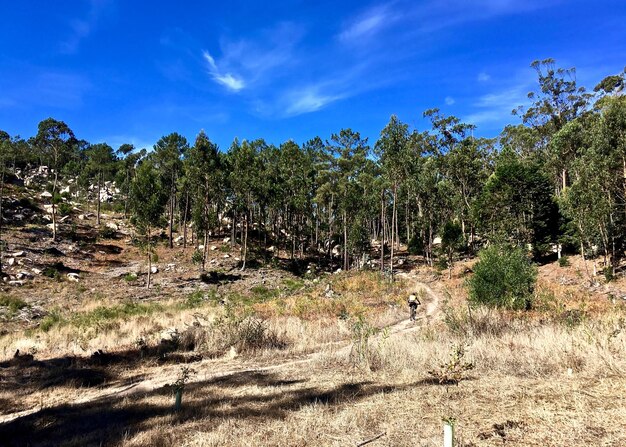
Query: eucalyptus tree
x=391, y=150
x=101, y=163
x=55, y=141
x=128, y=158
x=167, y=156
x=557, y=101
x=147, y=202
x=205, y=176
x=245, y=166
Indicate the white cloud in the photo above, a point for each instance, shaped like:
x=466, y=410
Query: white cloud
x=449, y=100
x=308, y=99
x=368, y=24
x=483, y=77
x=228, y=80
x=497, y=107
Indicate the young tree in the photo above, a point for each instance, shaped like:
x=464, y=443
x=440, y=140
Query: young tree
x=451, y=242
x=100, y=166
x=168, y=153
x=55, y=140
x=147, y=200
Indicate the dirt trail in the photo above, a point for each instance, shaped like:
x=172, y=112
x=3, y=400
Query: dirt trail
x=223, y=367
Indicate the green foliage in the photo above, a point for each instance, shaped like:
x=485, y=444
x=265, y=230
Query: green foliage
x=503, y=277
x=564, y=261
x=455, y=369
x=13, y=304
x=106, y=232
x=197, y=256
x=130, y=277
x=65, y=209
x=53, y=318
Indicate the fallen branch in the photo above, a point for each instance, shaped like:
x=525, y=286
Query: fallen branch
x=367, y=441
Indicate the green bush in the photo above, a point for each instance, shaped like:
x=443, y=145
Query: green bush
x=65, y=209
x=196, y=257
x=503, y=277
x=564, y=261
x=106, y=232
x=14, y=304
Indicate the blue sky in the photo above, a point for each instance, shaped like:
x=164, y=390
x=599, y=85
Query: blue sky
x=132, y=71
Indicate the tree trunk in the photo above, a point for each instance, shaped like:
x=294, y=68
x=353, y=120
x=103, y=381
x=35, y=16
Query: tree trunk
x=393, y=223
x=185, y=220
x=382, y=231
x=54, y=210
x=98, y=202
x=245, y=242
x=1, y=198
x=149, y=260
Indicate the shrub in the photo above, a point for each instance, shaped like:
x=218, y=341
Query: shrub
x=197, y=256
x=65, y=209
x=106, y=232
x=14, y=304
x=564, y=261
x=503, y=277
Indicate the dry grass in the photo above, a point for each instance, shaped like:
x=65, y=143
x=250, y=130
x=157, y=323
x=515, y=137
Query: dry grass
x=545, y=378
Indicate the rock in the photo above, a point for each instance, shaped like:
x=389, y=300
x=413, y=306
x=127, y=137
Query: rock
x=23, y=275
x=46, y=195
x=81, y=217
x=213, y=247
x=179, y=239
x=48, y=209
x=64, y=218
x=36, y=271
x=154, y=269
x=337, y=271
x=170, y=267
x=226, y=256
x=226, y=240
x=65, y=190
x=50, y=226
x=11, y=261
x=272, y=249
x=72, y=277
x=16, y=283
x=170, y=335
x=200, y=247
x=112, y=226
x=17, y=254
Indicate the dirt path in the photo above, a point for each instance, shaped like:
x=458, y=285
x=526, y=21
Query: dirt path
x=223, y=367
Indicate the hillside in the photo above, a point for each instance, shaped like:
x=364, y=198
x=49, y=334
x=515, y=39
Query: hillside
x=273, y=355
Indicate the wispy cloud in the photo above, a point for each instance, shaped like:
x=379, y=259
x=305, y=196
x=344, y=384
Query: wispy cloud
x=83, y=27
x=495, y=108
x=308, y=99
x=449, y=100
x=483, y=77
x=367, y=24
x=228, y=80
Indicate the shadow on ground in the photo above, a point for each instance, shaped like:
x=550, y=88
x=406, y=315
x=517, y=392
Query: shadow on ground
x=109, y=421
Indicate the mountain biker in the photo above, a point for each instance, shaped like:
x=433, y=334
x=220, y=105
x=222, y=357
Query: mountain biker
x=413, y=303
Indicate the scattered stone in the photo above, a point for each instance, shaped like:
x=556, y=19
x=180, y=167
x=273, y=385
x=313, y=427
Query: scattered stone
x=81, y=217
x=112, y=226
x=72, y=277
x=170, y=335
x=23, y=275
x=46, y=195
x=64, y=218
x=154, y=269
x=213, y=247
x=200, y=247
x=16, y=283
x=37, y=271
x=226, y=256
x=170, y=267
x=337, y=271
x=226, y=240
x=272, y=249
x=329, y=292
x=11, y=261
x=17, y=254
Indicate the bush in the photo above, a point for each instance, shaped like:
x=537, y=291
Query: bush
x=106, y=232
x=65, y=209
x=564, y=261
x=197, y=256
x=503, y=277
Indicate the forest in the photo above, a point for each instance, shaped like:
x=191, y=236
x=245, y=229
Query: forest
x=553, y=184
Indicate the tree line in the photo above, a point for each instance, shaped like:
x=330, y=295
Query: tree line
x=555, y=182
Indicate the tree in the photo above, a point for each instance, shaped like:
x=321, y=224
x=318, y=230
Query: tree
x=100, y=166
x=503, y=277
x=147, y=200
x=6, y=152
x=55, y=140
x=168, y=153
x=205, y=174
x=451, y=242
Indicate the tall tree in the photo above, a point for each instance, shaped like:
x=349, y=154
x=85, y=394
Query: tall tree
x=100, y=167
x=55, y=140
x=168, y=153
